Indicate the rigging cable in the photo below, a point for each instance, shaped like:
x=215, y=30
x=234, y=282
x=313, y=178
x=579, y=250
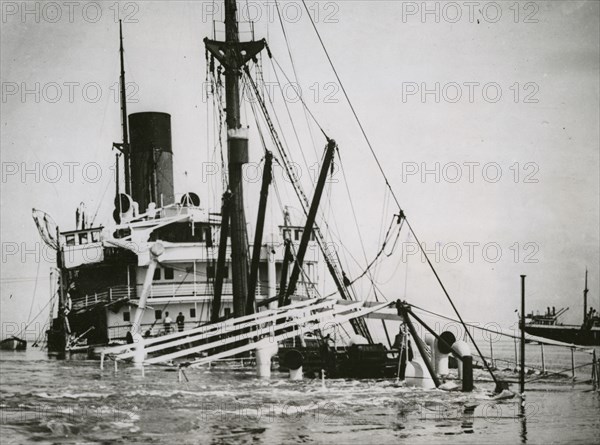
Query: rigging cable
x=352, y=107
x=305, y=203
x=287, y=43
x=37, y=274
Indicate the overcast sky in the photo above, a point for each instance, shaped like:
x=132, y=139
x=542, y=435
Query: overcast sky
x=508, y=130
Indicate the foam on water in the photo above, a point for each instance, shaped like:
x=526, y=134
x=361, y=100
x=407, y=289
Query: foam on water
x=76, y=402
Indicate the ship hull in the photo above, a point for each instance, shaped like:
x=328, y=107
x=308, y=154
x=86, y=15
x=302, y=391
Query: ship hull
x=567, y=334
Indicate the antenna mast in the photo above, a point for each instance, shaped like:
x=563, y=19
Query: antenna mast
x=124, y=146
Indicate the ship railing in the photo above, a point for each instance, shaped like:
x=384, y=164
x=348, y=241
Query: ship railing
x=111, y=294
x=187, y=289
x=169, y=290
x=301, y=291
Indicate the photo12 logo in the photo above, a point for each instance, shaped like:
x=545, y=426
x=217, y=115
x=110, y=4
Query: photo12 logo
x=471, y=252
x=470, y=12
x=54, y=172
x=469, y=172
x=469, y=92
x=69, y=12
x=270, y=11
x=65, y=92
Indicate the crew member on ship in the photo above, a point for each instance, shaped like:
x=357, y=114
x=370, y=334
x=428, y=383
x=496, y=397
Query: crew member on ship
x=402, y=343
x=167, y=323
x=180, y=320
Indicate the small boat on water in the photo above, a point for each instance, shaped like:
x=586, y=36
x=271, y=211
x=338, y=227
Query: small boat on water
x=548, y=326
x=13, y=344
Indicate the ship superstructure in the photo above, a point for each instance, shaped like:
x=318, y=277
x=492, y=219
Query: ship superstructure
x=203, y=272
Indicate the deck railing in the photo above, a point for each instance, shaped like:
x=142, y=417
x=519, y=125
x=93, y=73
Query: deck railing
x=168, y=290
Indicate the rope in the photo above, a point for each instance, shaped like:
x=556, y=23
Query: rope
x=352, y=107
x=37, y=275
x=281, y=21
x=38, y=314
x=558, y=372
x=301, y=99
x=497, y=332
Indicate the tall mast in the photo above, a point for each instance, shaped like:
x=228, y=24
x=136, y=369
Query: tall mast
x=125, y=146
x=238, y=155
x=233, y=55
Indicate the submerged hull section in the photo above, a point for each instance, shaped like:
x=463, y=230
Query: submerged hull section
x=357, y=361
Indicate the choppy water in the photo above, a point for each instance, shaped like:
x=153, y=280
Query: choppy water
x=48, y=401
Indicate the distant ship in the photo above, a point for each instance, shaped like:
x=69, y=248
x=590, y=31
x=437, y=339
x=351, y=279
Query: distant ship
x=547, y=325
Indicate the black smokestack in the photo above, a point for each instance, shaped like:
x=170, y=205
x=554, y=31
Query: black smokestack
x=151, y=159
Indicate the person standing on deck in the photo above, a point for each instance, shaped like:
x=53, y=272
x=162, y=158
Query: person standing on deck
x=180, y=320
x=402, y=343
x=167, y=323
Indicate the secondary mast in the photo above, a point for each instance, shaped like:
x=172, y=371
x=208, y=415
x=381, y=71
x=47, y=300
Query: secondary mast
x=123, y=147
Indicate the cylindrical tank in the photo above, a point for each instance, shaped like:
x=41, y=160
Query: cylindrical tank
x=151, y=159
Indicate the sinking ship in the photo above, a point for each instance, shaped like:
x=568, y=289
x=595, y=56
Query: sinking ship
x=208, y=270
x=171, y=280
